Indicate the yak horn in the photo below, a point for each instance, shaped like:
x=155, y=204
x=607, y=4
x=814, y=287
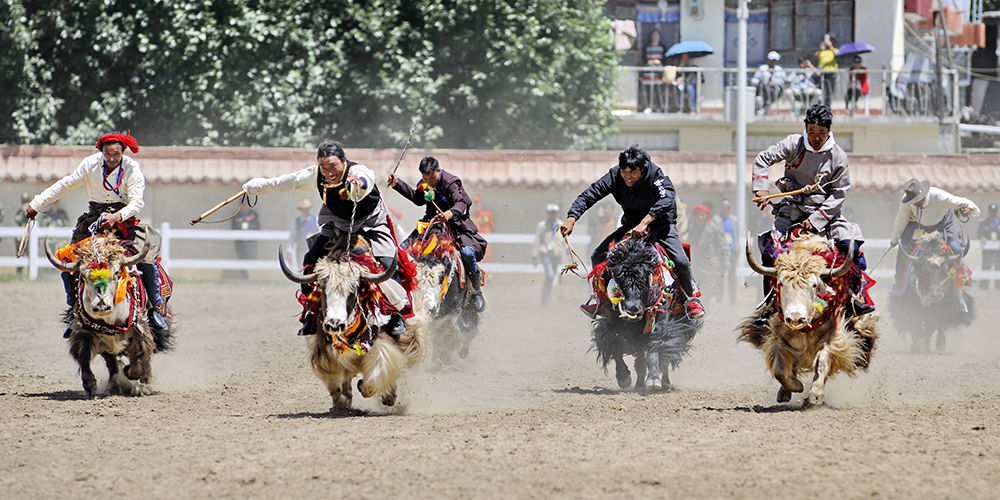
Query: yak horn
x=292, y=275
x=378, y=278
x=58, y=264
x=135, y=259
x=766, y=271
x=955, y=257
x=846, y=266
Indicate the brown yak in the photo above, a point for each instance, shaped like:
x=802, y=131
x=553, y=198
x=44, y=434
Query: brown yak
x=809, y=329
x=109, y=317
x=353, y=339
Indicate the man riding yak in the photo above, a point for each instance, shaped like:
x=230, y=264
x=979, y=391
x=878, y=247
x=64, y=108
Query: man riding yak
x=351, y=203
x=816, y=169
x=927, y=209
x=115, y=185
x=447, y=202
x=646, y=196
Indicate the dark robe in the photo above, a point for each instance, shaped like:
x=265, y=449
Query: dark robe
x=449, y=195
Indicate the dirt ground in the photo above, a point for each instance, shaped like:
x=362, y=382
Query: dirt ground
x=237, y=413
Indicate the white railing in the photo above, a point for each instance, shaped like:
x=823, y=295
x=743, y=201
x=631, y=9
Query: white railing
x=34, y=255
x=34, y=258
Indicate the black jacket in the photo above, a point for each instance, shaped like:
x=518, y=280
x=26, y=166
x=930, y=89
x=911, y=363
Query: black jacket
x=652, y=194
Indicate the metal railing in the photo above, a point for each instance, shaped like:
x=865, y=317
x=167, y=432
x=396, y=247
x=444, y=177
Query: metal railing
x=702, y=91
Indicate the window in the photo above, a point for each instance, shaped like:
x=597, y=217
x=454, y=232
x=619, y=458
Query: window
x=798, y=26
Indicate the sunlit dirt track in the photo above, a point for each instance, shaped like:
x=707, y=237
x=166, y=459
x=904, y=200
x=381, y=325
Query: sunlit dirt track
x=237, y=412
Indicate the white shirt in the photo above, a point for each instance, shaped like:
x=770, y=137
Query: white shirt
x=91, y=172
x=305, y=180
x=939, y=202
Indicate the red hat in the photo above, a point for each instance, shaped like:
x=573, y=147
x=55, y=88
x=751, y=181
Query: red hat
x=701, y=209
x=126, y=139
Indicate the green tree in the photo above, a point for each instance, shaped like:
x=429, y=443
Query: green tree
x=472, y=73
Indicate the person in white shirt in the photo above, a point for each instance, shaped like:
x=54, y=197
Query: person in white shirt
x=115, y=185
x=927, y=209
x=351, y=202
x=770, y=79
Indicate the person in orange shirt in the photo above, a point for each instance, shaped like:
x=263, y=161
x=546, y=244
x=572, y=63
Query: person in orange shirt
x=483, y=219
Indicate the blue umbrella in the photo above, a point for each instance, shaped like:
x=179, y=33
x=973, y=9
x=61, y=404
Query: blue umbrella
x=854, y=48
x=692, y=49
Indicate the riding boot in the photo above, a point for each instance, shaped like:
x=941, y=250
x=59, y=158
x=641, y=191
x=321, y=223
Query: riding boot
x=308, y=325
x=69, y=284
x=150, y=281
x=395, y=327
x=767, y=308
x=478, y=302
x=858, y=308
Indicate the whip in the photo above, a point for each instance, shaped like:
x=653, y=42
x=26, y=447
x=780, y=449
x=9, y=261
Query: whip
x=217, y=207
x=28, y=226
x=405, y=146
x=880, y=259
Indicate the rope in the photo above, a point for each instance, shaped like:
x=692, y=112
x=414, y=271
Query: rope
x=573, y=254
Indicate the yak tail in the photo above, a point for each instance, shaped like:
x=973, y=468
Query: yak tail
x=381, y=367
x=415, y=343
x=164, y=339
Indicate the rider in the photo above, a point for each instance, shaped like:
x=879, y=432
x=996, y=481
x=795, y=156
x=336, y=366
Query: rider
x=928, y=209
x=447, y=201
x=351, y=201
x=646, y=196
x=811, y=158
x=115, y=186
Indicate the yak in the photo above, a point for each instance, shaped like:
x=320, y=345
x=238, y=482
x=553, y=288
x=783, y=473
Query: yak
x=352, y=310
x=647, y=318
x=933, y=298
x=809, y=329
x=443, y=293
x=109, y=316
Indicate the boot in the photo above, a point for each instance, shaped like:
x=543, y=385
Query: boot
x=395, y=327
x=308, y=325
x=478, y=302
x=858, y=308
x=156, y=320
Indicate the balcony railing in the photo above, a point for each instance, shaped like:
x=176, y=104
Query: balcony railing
x=711, y=92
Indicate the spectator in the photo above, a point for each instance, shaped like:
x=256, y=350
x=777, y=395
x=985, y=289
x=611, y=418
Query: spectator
x=55, y=217
x=245, y=220
x=483, y=219
x=652, y=81
x=728, y=223
x=303, y=226
x=989, y=234
x=803, y=86
x=601, y=223
x=770, y=79
x=684, y=86
x=708, y=243
x=857, y=85
x=549, y=249
x=827, y=58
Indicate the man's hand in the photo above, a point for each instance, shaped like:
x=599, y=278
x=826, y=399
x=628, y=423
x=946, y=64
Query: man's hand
x=567, y=227
x=110, y=220
x=965, y=211
x=442, y=217
x=30, y=213
x=808, y=225
x=392, y=180
x=763, y=203
x=892, y=244
x=640, y=229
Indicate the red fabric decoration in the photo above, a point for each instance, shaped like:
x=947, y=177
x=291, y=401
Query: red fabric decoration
x=126, y=139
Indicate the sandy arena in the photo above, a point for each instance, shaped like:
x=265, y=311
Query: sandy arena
x=237, y=413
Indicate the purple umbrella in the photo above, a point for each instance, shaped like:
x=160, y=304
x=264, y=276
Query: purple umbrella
x=854, y=48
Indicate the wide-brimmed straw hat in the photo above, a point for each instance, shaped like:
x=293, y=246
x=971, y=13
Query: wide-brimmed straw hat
x=915, y=191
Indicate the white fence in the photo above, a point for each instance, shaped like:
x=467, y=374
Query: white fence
x=34, y=256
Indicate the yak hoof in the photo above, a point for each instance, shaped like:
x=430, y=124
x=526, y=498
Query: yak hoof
x=624, y=380
x=654, y=384
x=389, y=398
x=463, y=350
x=941, y=342
x=784, y=395
x=341, y=402
x=815, y=398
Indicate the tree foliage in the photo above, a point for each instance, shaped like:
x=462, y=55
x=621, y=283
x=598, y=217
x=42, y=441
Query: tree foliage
x=525, y=74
